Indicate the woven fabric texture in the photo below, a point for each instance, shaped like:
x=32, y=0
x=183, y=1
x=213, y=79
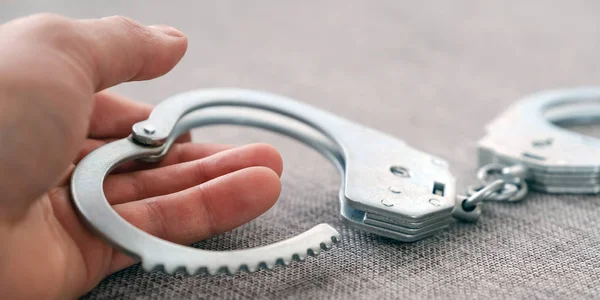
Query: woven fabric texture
x=432, y=73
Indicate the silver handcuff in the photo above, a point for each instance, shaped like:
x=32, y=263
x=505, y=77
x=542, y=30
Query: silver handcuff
x=388, y=187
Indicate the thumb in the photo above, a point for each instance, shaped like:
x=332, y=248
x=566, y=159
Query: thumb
x=120, y=49
x=50, y=68
x=105, y=51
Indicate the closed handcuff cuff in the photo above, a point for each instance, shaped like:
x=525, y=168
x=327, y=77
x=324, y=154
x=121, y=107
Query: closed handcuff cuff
x=388, y=187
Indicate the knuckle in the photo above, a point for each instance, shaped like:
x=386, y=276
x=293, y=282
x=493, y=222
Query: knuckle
x=210, y=222
x=47, y=22
x=200, y=170
x=130, y=25
x=48, y=18
x=51, y=29
x=158, y=219
x=126, y=21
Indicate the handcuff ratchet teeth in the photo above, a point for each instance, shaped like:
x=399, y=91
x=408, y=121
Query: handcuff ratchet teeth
x=388, y=188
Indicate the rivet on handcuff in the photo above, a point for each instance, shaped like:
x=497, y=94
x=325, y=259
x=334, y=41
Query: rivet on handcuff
x=388, y=188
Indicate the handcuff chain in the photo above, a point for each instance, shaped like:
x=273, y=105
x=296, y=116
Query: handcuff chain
x=514, y=187
x=498, y=182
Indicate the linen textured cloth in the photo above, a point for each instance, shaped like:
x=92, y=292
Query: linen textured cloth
x=432, y=73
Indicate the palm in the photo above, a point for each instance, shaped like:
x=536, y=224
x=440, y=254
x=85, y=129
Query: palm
x=50, y=68
x=196, y=191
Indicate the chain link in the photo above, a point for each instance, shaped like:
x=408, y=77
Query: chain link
x=514, y=187
x=497, y=182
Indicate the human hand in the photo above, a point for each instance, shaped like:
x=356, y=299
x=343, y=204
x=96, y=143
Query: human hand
x=53, y=111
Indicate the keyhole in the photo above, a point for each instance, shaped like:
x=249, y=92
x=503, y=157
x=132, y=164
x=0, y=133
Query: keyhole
x=400, y=171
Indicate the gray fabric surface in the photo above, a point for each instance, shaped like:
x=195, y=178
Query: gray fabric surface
x=429, y=72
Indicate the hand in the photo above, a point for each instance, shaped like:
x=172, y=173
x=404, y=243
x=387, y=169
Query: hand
x=53, y=111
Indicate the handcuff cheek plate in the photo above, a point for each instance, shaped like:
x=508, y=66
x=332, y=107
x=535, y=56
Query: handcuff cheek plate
x=388, y=187
x=407, y=207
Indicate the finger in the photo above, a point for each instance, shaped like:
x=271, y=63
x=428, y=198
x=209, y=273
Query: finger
x=126, y=187
x=124, y=50
x=219, y=205
x=180, y=152
x=66, y=176
x=114, y=115
x=102, y=52
x=92, y=144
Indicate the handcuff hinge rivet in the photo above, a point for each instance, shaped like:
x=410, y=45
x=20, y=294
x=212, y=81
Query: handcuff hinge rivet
x=149, y=129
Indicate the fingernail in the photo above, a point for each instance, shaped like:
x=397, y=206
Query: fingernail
x=168, y=30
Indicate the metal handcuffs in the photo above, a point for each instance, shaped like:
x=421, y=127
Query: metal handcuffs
x=558, y=160
x=388, y=188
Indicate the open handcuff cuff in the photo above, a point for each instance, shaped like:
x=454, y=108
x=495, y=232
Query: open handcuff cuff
x=388, y=188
